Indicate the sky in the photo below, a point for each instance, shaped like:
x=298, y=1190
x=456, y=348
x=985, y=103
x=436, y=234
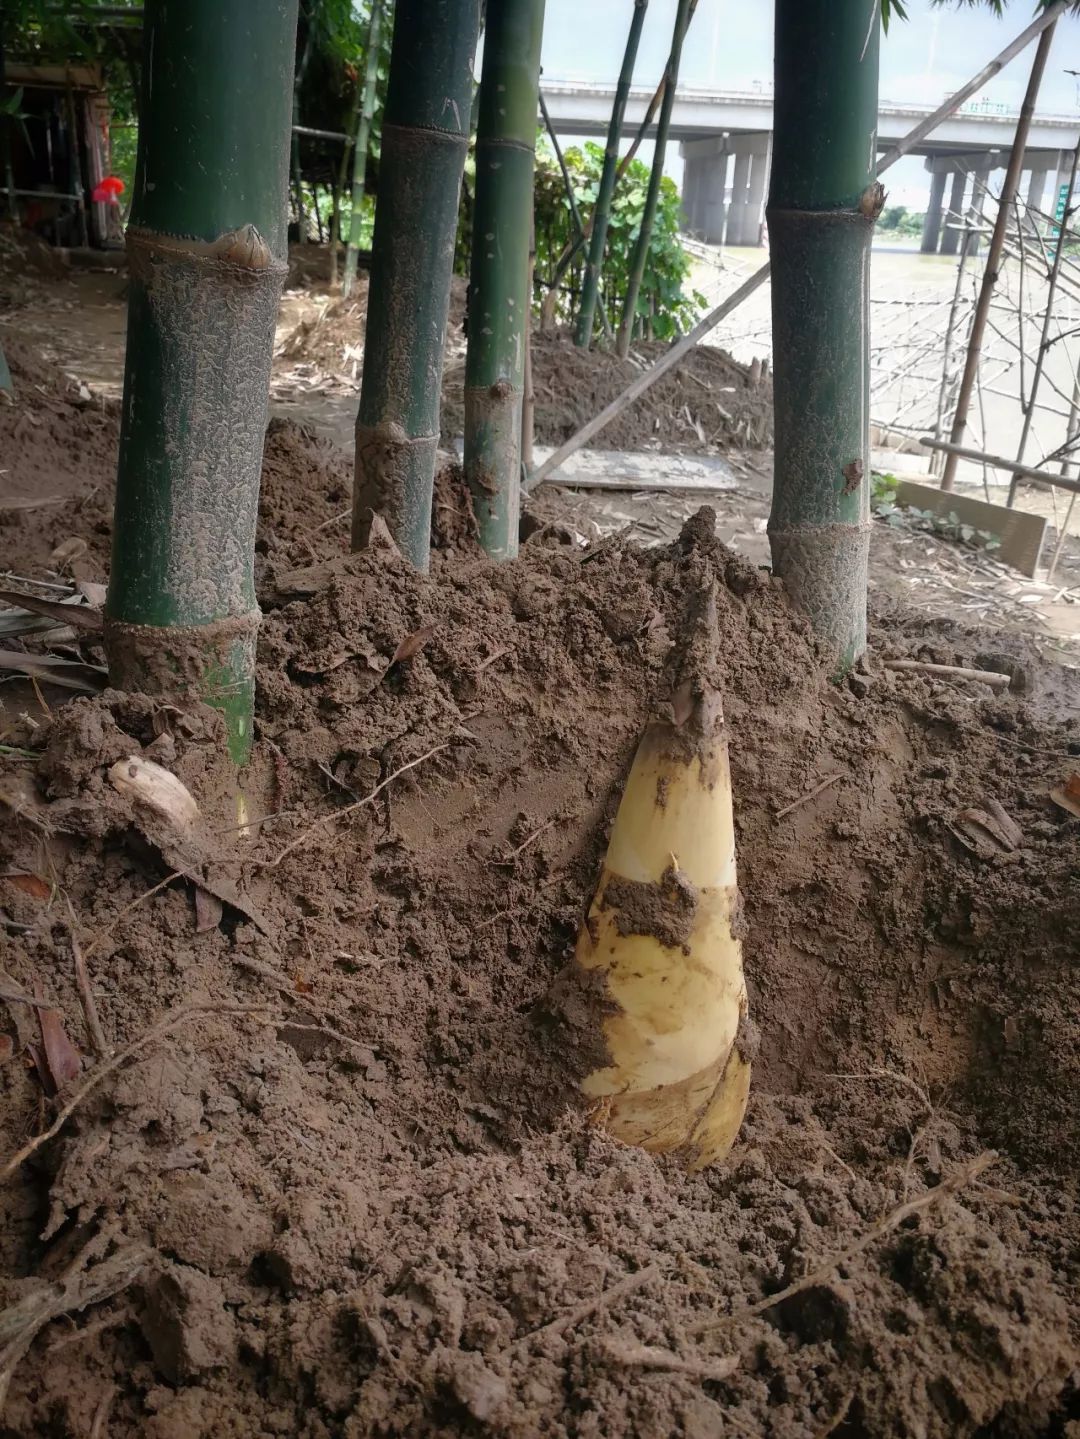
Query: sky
x=729, y=46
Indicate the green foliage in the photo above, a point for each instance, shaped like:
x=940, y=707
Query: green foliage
x=76, y=32
x=899, y=220
x=329, y=90
x=665, y=307
x=898, y=8
x=945, y=527
x=882, y=489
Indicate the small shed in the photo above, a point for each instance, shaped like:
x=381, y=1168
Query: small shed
x=59, y=151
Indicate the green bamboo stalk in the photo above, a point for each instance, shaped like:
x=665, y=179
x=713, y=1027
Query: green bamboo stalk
x=590, y=287
x=362, y=143
x=425, y=136
x=206, y=255
x=652, y=195
x=499, y=294
x=823, y=201
x=297, y=171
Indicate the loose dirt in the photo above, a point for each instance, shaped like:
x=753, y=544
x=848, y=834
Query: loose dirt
x=338, y=1179
x=708, y=404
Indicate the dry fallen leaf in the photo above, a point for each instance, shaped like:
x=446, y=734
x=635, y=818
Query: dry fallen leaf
x=30, y=884
x=1067, y=796
x=208, y=910
x=986, y=832
x=412, y=644
x=81, y=616
x=60, y=1062
x=69, y=551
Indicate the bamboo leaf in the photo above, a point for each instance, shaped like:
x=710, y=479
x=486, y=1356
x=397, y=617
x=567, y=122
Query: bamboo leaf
x=68, y=612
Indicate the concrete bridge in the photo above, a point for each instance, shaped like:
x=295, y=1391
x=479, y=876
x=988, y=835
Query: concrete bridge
x=730, y=129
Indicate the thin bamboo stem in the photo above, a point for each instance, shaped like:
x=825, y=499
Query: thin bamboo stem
x=993, y=258
x=594, y=263
x=652, y=195
x=498, y=277
x=568, y=185
x=425, y=136
x=1044, y=338
x=362, y=145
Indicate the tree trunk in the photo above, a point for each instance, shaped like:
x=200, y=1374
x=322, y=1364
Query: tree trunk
x=590, y=288
x=652, y=195
x=498, y=281
x=424, y=139
x=823, y=201
x=207, y=260
x=363, y=141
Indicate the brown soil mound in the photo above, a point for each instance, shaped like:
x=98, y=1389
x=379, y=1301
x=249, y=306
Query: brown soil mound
x=344, y=1187
x=53, y=439
x=25, y=260
x=333, y=338
x=706, y=404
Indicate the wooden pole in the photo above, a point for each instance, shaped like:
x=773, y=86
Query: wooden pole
x=647, y=378
x=999, y=462
x=993, y=256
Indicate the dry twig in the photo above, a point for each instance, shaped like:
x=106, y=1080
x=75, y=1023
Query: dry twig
x=23, y=1322
x=86, y=993
x=885, y=1225
x=509, y=858
x=810, y=794
x=103, y=1071
x=302, y=839
x=573, y=1317
x=956, y=672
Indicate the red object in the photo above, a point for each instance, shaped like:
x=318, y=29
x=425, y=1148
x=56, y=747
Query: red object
x=106, y=191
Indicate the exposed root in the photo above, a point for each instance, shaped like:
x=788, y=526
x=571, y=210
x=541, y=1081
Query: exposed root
x=86, y=993
x=810, y=794
x=574, y=1317
x=339, y=814
x=648, y=1356
x=178, y=1016
x=96, y=944
x=890, y=1221
x=23, y=1322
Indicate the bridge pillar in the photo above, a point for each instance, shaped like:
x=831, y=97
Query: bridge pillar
x=1036, y=187
x=740, y=196
x=691, y=192
x=979, y=194
x=748, y=185
x=931, y=233
x=950, y=240
x=759, y=184
x=714, y=200
x=704, y=179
